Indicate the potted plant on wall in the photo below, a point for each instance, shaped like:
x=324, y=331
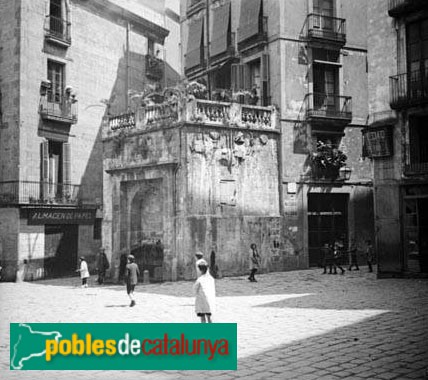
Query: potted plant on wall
x=327, y=160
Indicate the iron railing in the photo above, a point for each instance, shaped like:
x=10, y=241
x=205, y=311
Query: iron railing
x=408, y=89
x=401, y=7
x=64, y=111
x=416, y=168
x=326, y=28
x=57, y=29
x=331, y=106
x=32, y=192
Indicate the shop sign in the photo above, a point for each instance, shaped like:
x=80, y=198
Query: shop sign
x=378, y=142
x=60, y=216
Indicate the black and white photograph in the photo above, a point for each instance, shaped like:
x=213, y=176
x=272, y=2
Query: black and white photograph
x=262, y=163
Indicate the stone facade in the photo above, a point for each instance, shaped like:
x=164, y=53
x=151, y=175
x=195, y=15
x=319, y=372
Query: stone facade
x=52, y=54
x=395, y=137
x=298, y=47
x=193, y=182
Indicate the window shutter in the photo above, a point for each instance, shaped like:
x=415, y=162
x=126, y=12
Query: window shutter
x=265, y=80
x=66, y=168
x=246, y=78
x=44, y=169
x=234, y=77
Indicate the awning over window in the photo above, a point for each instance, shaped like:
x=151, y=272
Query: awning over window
x=221, y=17
x=193, y=55
x=249, y=19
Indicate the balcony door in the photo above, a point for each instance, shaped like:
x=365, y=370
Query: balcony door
x=324, y=10
x=417, y=60
x=55, y=17
x=326, y=78
x=55, y=171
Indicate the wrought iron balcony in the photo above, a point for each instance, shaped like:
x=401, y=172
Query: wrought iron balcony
x=416, y=168
x=324, y=28
x=38, y=193
x=408, y=89
x=329, y=107
x=64, y=111
x=57, y=31
x=398, y=8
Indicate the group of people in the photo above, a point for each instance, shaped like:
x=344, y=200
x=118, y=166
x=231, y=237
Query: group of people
x=333, y=255
x=204, y=286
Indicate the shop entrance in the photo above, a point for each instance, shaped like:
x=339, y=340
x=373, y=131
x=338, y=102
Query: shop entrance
x=61, y=242
x=416, y=235
x=327, y=222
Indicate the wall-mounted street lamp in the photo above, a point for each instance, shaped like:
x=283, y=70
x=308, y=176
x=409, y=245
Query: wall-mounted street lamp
x=345, y=173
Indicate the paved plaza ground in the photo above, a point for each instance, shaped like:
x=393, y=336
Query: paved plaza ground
x=291, y=325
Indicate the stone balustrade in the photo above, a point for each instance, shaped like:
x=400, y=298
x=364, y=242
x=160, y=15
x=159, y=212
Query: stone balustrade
x=197, y=111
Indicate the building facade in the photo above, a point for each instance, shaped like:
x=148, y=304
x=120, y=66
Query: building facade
x=309, y=60
x=65, y=65
x=396, y=137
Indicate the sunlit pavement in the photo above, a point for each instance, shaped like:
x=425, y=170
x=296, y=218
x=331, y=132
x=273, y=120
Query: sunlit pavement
x=292, y=325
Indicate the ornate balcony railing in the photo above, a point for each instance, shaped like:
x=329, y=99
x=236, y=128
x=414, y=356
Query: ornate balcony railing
x=321, y=27
x=64, y=111
x=401, y=7
x=57, y=30
x=328, y=106
x=408, y=89
x=37, y=193
x=203, y=112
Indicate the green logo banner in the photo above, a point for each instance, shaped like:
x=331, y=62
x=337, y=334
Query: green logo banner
x=123, y=346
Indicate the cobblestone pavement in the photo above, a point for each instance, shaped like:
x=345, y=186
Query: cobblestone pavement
x=292, y=325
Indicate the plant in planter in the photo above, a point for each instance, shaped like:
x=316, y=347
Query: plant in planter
x=326, y=161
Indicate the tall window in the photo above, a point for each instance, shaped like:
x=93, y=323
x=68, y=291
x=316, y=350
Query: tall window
x=418, y=140
x=323, y=8
x=325, y=86
x=150, y=47
x=56, y=77
x=55, y=13
x=55, y=168
x=417, y=58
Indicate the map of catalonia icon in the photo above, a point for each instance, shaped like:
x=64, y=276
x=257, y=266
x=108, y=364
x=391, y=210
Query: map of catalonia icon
x=26, y=344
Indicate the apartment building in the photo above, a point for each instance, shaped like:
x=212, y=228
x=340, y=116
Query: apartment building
x=396, y=138
x=65, y=65
x=308, y=59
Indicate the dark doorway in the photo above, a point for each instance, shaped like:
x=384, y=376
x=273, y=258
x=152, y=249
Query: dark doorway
x=149, y=256
x=423, y=234
x=61, y=242
x=327, y=222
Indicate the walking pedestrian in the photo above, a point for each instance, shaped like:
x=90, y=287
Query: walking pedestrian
x=132, y=273
x=337, y=258
x=122, y=266
x=369, y=254
x=327, y=258
x=254, y=262
x=102, y=265
x=84, y=272
x=204, y=289
x=198, y=258
x=353, y=253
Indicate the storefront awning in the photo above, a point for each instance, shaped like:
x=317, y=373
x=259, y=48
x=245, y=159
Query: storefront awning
x=193, y=55
x=249, y=19
x=221, y=17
